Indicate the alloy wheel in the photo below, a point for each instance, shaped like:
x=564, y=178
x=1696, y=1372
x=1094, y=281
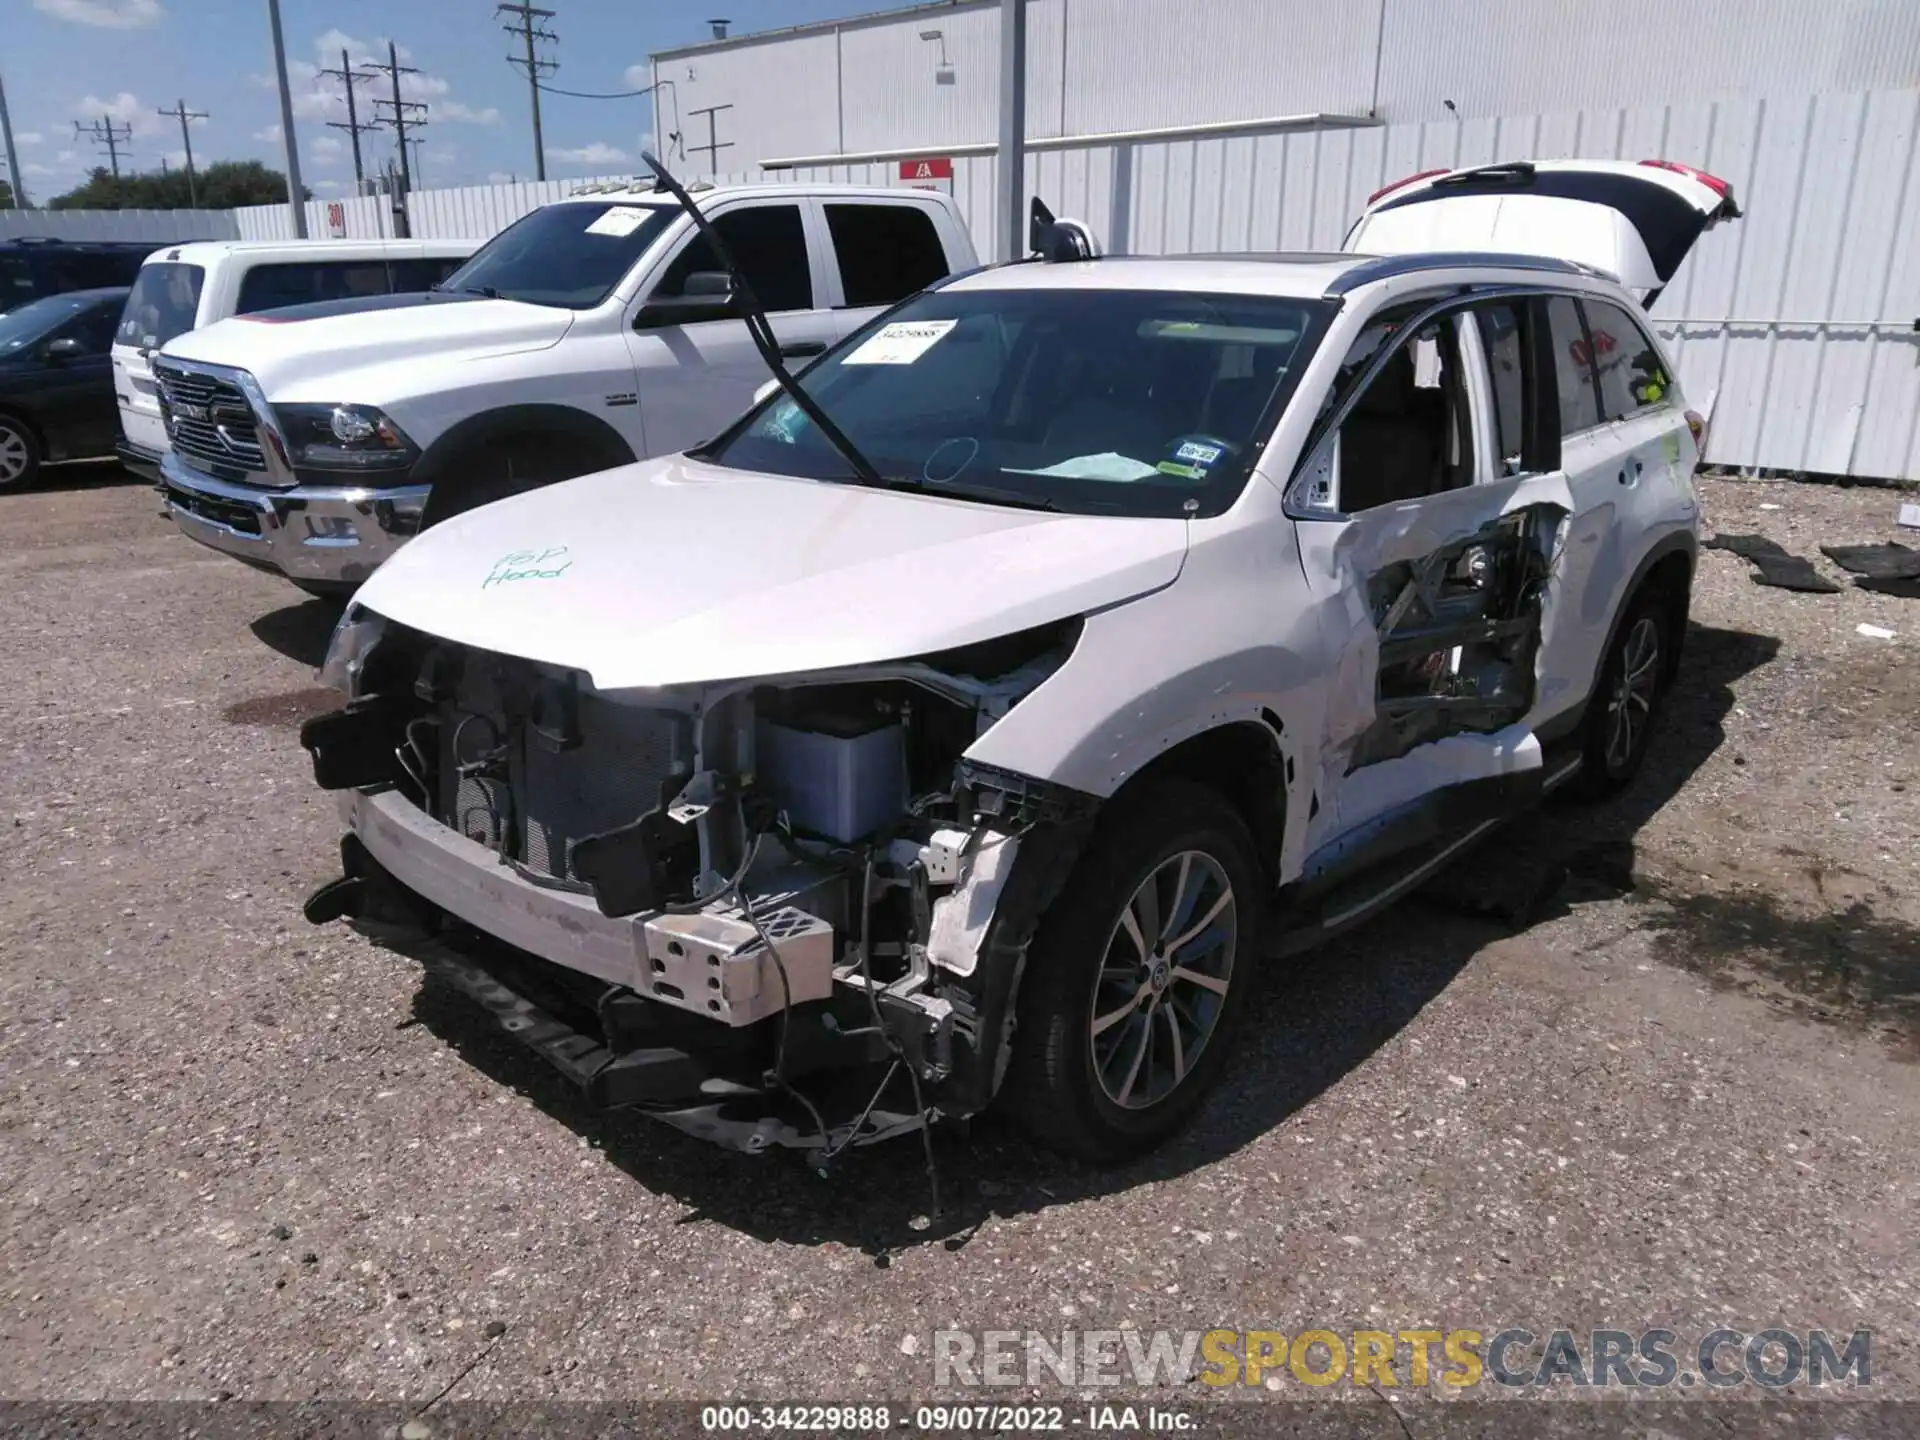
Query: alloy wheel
x=16, y=458
x=1163, y=979
x=1630, y=699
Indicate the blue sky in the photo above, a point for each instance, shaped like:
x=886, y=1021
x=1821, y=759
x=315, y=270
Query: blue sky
x=68, y=60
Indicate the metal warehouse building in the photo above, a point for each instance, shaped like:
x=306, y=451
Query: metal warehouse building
x=1207, y=125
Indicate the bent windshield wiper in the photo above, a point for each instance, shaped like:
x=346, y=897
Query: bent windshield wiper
x=761, y=330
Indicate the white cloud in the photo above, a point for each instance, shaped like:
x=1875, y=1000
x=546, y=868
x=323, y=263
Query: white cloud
x=501, y=177
x=268, y=136
x=66, y=157
x=106, y=14
x=125, y=108
x=638, y=75
x=326, y=150
x=32, y=168
x=454, y=110
x=326, y=187
x=30, y=137
x=176, y=159
x=598, y=153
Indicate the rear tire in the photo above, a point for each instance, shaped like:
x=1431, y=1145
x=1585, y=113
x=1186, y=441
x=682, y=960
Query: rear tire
x=512, y=466
x=1138, y=976
x=1625, y=706
x=19, y=454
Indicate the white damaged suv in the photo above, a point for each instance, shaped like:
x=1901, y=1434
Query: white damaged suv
x=972, y=719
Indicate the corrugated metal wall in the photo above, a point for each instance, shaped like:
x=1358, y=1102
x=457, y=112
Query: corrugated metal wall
x=159, y=226
x=1796, y=325
x=1099, y=65
x=366, y=217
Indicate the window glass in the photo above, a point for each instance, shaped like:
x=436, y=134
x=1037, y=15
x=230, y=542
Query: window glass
x=571, y=254
x=420, y=274
x=269, y=287
x=164, y=303
x=1632, y=378
x=93, y=327
x=768, y=243
x=37, y=320
x=18, y=284
x=885, y=252
x=1572, y=366
x=1409, y=433
x=1504, y=342
x=1089, y=401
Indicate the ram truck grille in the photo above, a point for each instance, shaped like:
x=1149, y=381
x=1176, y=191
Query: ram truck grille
x=209, y=422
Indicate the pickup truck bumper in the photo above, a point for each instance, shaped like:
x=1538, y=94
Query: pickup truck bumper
x=325, y=534
x=138, y=460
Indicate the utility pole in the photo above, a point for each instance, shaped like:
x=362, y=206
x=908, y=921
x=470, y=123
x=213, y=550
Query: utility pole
x=348, y=78
x=184, y=116
x=1012, y=159
x=13, y=155
x=296, y=192
x=529, y=29
x=403, y=114
x=714, y=145
x=105, y=131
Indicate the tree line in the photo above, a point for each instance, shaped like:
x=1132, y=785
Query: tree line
x=223, y=185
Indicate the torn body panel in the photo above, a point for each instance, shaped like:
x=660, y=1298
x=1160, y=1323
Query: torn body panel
x=1442, y=614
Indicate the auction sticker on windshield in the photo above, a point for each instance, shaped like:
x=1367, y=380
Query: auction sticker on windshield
x=900, y=343
x=619, y=221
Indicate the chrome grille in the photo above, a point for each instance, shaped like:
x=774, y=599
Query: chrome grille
x=209, y=421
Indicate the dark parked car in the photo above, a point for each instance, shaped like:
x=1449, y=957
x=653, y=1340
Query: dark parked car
x=32, y=268
x=56, y=381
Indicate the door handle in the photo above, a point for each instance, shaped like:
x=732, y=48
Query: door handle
x=801, y=348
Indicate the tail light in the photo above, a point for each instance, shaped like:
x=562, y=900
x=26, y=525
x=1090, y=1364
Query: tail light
x=1711, y=181
x=1697, y=423
x=1402, y=183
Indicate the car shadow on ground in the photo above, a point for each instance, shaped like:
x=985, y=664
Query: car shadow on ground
x=1315, y=1018
x=299, y=630
x=69, y=475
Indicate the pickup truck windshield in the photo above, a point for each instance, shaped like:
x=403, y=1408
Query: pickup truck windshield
x=571, y=254
x=164, y=302
x=1097, y=401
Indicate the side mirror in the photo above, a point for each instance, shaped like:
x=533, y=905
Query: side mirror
x=63, y=349
x=707, y=295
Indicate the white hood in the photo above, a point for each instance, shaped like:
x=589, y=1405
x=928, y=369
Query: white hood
x=281, y=354
x=672, y=572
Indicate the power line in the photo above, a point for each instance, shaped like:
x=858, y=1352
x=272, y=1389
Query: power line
x=353, y=125
x=529, y=29
x=403, y=115
x=184, y=116
x=105, y=131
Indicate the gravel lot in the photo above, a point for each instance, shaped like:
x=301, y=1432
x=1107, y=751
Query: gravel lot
x=1649, y=1064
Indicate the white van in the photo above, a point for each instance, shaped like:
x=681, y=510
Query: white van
x=184, y=287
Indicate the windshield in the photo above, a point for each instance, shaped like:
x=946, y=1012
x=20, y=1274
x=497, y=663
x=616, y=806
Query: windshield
x=164, y=303
x=21, y=327
x=1133, y=402
x=570, y=254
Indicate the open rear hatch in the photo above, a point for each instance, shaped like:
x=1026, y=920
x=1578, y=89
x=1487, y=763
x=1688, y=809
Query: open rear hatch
x=1634, y=221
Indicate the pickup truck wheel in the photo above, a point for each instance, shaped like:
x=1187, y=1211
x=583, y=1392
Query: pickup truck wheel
x=19, y=454
x=1138, y=975
x=1621, y=715
x=503, y=468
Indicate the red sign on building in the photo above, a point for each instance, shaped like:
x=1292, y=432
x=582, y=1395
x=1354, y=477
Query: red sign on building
x=931, y=167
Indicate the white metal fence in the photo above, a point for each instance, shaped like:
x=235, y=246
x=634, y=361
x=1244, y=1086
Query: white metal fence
x=159, y=226
x=1796, y=325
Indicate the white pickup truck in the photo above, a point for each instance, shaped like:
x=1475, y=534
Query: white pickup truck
x=594, y=331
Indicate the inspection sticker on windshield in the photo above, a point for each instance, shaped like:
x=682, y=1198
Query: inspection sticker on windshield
x=620, y=220
x=900, y=343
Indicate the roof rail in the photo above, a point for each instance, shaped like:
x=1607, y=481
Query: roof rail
x=1368, y=269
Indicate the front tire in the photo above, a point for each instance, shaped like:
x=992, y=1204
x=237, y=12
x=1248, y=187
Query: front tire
x=508, y=467
x=19, y=454
x=1138, y=976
